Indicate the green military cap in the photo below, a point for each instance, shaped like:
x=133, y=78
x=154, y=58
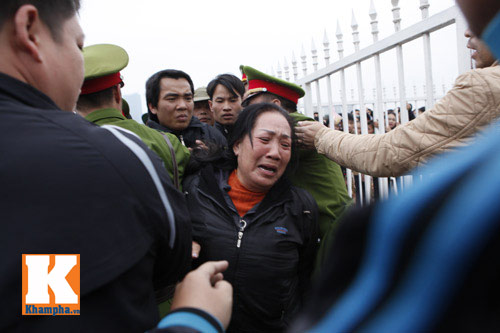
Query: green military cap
x=244, y=78
x=259, y=82
x=200, y=94
x=103, y=63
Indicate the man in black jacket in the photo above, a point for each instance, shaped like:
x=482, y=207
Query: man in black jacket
x=70, y=187
x=169, y=96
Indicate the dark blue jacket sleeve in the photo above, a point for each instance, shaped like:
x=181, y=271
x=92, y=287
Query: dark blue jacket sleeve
x=188, y=320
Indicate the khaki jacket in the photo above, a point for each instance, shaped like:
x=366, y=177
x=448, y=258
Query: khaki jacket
x=472, y=104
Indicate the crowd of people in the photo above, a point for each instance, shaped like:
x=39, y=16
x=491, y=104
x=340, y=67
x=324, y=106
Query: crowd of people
x=228, y=209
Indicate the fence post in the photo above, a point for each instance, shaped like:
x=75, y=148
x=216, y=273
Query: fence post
x=326, y=44
x=429, y=101
x=362, y=107
x=343, y=94
x=378, y=109
x=314, y=53
x=399, y=55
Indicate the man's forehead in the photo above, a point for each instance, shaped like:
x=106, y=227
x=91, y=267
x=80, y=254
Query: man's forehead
x=222, y=90
x=179, y=84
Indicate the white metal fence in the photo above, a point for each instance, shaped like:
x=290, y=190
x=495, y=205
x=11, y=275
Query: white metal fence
x=379, y=100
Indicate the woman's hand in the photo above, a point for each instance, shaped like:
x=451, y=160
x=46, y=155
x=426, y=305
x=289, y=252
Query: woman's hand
x=306, y=132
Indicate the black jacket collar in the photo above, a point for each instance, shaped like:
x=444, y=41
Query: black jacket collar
x=157, y=126
x=13, y=89
x=209, y=183
x=224, y=129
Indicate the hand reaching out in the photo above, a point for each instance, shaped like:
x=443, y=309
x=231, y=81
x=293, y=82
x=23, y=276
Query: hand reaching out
x=306, y=132
x=205, y=289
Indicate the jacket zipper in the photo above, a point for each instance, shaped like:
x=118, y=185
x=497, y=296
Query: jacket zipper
x=243, y=225
x=182, y=140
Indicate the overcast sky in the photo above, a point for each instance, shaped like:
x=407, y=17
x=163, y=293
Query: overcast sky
x=206, y=38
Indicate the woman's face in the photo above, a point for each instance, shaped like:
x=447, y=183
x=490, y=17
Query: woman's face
x=260, y=166
x=392, y=120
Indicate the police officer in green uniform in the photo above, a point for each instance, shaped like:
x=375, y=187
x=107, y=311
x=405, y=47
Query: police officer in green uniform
x=101, y=102
x=315, y=173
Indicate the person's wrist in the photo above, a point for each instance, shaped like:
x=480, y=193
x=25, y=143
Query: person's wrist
x=318, y=135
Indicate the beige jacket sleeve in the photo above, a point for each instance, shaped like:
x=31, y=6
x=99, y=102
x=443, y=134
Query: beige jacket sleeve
x=472, y=103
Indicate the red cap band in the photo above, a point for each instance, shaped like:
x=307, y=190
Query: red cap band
x=274, y=88
x=244, y=77
x=100, y=83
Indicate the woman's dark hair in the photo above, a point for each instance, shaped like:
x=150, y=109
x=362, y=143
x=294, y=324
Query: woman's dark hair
x=225, y=159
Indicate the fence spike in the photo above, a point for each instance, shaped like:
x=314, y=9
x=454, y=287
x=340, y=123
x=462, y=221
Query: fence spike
x=373, y=11
x=374, y=22
x=287, y=72
x=396, y=15
x=354, y=23
x=424, y=7
x=326, y=49
x=304, y=60
x=294, y=66
x=340, y=43
x=325, y=39
x=355, y=33
x=339, y=31
x=314, y=52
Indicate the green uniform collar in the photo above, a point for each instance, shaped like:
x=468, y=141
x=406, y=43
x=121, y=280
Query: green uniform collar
x=104, y=114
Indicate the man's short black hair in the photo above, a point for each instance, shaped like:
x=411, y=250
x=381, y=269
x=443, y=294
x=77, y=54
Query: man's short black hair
x=153, y=87
x=52, y=12
x=95, y=100
x=232, y=83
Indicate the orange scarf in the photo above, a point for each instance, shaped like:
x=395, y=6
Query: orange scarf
x=242, y=198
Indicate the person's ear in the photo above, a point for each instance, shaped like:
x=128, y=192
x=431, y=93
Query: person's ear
x=276, y=101
x=117, y=93
x=28, y=31
x=210, y=105
x=153, y=109
x=236, y=148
